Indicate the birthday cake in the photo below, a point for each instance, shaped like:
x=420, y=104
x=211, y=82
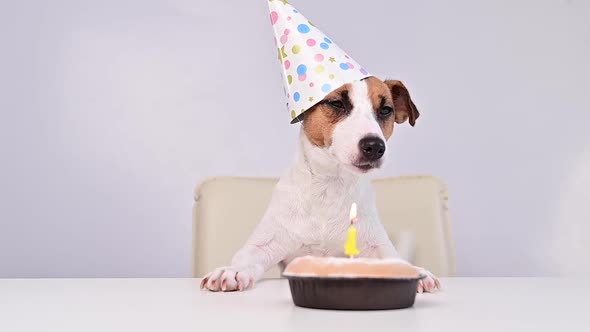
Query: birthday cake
x=352, y=283
x=341, y=267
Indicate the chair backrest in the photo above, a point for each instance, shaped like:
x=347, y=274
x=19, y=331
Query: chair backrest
x=227, y=209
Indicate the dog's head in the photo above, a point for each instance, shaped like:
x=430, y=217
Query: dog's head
x=353, y=122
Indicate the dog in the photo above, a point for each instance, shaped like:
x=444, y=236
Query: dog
x=342, y=138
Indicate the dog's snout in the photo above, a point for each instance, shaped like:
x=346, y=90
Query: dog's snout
x=372, y=148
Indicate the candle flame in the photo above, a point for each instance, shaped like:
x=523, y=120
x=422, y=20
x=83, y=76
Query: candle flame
x=353, y=212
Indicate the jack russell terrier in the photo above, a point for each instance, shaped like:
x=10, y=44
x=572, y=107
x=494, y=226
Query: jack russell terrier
x=342, y=138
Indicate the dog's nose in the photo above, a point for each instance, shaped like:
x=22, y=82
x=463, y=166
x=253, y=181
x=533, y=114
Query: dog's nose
x=372, y=148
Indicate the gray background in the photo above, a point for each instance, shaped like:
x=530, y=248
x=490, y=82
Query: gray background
x=112, y=111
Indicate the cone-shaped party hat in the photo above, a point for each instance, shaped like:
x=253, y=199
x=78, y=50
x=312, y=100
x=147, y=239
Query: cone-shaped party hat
x=312, y=64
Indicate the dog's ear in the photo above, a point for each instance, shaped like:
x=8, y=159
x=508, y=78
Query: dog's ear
x=403, y=104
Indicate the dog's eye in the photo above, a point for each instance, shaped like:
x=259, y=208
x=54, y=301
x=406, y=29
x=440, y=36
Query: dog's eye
x=385, y=111
x=336, y=104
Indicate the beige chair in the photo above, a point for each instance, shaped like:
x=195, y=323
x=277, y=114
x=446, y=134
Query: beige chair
x=227, y=209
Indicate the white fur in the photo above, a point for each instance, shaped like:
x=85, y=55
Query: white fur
x=308, y=212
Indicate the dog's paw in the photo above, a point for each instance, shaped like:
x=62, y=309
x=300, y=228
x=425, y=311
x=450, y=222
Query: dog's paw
x=429, y=284
x=228, y=279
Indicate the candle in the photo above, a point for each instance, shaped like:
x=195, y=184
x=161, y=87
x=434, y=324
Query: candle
x=350, y=248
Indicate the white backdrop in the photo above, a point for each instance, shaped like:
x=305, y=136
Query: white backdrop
x=112, y=111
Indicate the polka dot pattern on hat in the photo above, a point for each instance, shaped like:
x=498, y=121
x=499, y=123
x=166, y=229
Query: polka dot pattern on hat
x=303, y=28
x=312, y=64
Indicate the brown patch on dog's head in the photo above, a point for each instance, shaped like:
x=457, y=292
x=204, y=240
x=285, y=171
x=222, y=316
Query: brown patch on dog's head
x=391, y=103
x=390, y=100
x=404, y=106
x=380, y=97
x=320, y=120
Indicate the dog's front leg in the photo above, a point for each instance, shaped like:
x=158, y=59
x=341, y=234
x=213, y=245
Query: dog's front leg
x=383, y=248
x=268, y=245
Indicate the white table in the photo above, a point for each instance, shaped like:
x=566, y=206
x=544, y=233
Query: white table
x=465, y=304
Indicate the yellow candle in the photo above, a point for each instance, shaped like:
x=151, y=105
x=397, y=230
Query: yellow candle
x=350, y=248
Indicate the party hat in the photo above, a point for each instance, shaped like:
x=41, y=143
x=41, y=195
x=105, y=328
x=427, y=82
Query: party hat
x=312, y=64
